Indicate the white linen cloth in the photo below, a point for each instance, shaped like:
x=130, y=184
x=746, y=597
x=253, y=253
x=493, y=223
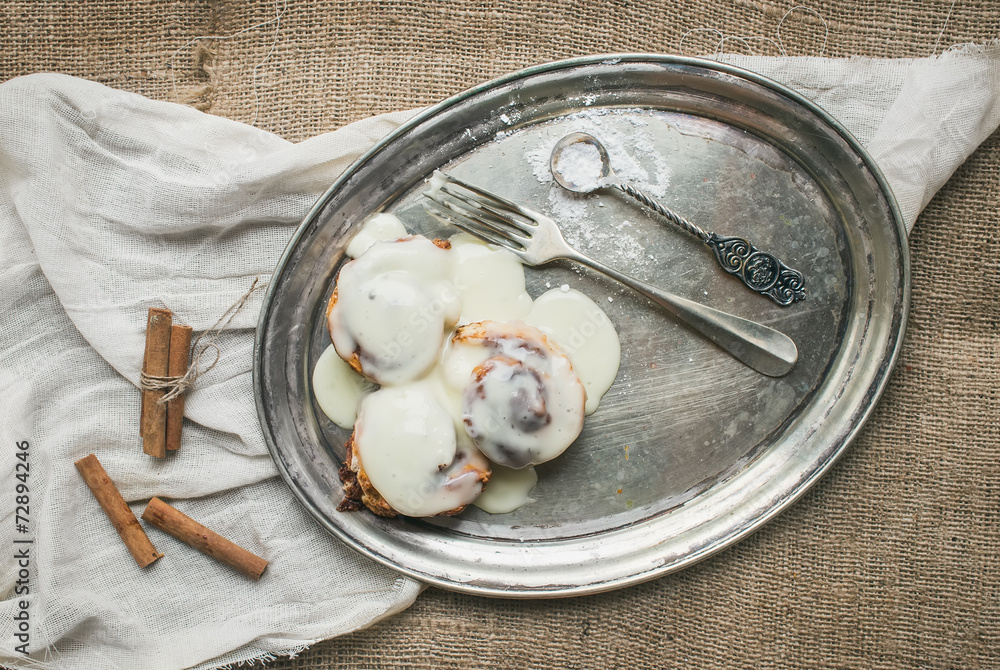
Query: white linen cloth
x=111, y=203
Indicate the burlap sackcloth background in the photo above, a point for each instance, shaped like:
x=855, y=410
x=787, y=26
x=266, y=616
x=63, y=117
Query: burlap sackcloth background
x=891, y=561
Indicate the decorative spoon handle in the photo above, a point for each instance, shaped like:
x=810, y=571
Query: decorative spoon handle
x=760, y=271
x=673, y=218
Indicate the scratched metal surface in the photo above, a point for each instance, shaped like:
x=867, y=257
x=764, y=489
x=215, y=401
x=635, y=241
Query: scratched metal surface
x=690, y=450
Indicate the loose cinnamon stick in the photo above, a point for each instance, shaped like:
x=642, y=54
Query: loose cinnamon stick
x=179, y=360
x=186, y=529
x=154, y=414
x=118, y=511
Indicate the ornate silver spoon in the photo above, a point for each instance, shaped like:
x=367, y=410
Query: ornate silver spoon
x=580, y=163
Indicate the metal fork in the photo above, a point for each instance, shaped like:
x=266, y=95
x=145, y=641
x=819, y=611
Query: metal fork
x=536, y=239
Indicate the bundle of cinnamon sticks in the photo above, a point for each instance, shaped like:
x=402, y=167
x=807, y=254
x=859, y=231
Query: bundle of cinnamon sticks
x=168, y=356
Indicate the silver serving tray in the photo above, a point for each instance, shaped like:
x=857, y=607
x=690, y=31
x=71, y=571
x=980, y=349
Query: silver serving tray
x=690, y=450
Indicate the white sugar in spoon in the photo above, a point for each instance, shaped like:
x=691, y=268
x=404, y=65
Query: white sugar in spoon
x=580, y=163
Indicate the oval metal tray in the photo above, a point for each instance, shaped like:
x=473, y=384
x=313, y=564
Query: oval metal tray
x=690, y=450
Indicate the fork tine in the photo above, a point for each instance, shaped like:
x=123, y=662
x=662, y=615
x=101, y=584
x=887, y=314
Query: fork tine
x=489, y=211
x=483, y=215
x=510, y=206
x=471, y=226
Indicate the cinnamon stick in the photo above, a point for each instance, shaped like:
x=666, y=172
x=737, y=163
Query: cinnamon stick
x=179, y=360
x=186, y=529
x=118, y=511
x=156, y=364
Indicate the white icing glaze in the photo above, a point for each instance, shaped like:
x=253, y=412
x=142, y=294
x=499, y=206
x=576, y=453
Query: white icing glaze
x=583, y=332
x=508, y=489
x=381, y=227
x=395, y=306
x=436, y=181
x=338, y=388
x=489, y=280
x=458, y=361
x=523, y=405
x=407, y=444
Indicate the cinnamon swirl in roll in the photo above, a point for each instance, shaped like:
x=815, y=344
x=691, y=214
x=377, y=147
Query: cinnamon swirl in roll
x=522, y=402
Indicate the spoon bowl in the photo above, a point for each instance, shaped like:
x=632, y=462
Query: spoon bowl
x=580, y=163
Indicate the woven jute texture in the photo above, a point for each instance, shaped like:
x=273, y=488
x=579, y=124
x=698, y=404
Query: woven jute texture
x=890, y=561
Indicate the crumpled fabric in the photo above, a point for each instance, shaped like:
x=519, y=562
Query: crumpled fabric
x=111, y=203
x=917, y=118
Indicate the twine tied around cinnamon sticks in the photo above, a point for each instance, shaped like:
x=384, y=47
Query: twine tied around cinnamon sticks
x=169, y=371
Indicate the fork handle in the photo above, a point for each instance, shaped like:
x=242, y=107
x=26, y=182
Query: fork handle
x=762, y=348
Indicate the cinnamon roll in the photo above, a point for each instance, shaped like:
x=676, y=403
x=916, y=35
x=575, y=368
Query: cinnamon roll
x=406, y=457
x=522, y=403
x=393, y=309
